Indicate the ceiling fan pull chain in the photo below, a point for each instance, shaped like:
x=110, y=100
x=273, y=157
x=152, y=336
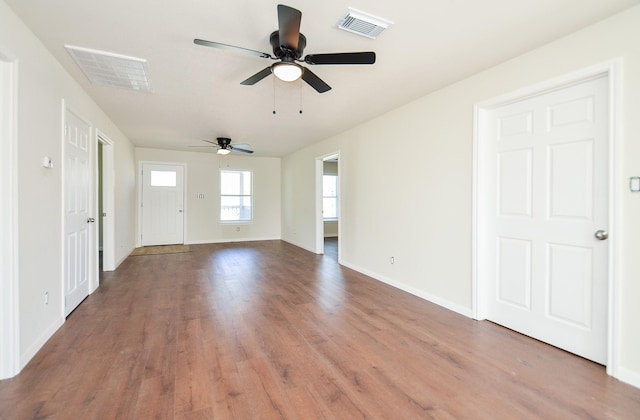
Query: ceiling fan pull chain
x=300, y=84
x=274, y=96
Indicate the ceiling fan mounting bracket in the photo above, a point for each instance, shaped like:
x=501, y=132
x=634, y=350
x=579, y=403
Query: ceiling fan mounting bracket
x=282, y=51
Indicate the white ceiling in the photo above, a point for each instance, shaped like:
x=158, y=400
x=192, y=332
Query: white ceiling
x=197, y=92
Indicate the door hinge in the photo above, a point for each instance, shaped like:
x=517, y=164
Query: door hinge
x=66, y=129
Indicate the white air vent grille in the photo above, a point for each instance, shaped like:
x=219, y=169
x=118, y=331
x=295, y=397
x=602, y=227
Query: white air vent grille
x=364, y=24
x=108, y=69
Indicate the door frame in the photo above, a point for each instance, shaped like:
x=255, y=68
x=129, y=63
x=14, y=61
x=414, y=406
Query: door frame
x=141, y=164
x=9, y=285
x=319, y=220
x=108, y=197
x=613, y=71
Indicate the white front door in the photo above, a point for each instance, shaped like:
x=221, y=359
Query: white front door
x=162, y=204
x=78, y=218
x=547, y=269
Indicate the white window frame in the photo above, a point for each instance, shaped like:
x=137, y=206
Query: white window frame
x=241, y=195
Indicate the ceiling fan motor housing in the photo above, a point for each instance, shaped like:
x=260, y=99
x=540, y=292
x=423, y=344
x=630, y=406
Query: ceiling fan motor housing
x=223, y=142
x=282, y=51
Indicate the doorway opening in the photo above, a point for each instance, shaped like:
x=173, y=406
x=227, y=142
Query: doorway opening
x=105, y=203
x=328, y=202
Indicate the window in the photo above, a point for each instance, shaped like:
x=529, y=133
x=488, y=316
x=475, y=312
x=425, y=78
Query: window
x=163, y=178
x=330, y=197
x=236, y=201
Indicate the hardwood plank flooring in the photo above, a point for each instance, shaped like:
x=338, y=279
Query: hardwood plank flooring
x=266, y=330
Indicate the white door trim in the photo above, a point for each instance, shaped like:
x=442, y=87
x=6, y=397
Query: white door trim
x=319, y=228
x=9, y=285
x=108, y=205
x=141, y=164
x=613, y=70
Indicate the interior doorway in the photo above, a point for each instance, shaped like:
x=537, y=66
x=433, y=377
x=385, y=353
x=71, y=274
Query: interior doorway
x=328, y=200
x=105, y=203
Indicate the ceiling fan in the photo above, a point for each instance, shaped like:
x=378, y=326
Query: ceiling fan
x=223, y=144
x=288, y=43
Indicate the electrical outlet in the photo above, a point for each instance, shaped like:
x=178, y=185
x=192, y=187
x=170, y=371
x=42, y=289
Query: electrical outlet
x=392, y=260
x=237, y=228
x=46, y=298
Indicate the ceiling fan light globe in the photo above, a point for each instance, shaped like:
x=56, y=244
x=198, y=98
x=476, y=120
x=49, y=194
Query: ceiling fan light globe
x=287, y=72
x=223, y=151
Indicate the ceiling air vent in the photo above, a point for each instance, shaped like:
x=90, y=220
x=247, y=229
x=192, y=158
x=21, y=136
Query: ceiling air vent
x=364, y=24
x=108, y=69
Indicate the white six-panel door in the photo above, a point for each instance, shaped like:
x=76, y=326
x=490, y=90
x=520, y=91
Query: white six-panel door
x=78, y=219
x=162, y=204
x=547, y=271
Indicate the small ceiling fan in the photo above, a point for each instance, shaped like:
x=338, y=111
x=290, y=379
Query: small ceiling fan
x=223, y=144
x=288, y=43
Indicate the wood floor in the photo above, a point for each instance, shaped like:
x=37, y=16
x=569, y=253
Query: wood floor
x=267, y=330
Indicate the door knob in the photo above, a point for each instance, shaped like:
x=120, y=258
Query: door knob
x=601, y=235
x=91, y=220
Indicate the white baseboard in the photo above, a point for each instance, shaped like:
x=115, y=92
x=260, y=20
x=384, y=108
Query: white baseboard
x=412, y=290
x=226, y=240
x=629, y=377
x=299, y=245
x=28, y=354
x=121, y=260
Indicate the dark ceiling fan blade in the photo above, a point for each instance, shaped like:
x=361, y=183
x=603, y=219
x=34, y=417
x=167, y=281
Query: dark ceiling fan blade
x=289, y=26
x=215, y=143
x=314, y=81
x=368, y=57
x=203, y=146
x=257, y=77
x=237, y=149
x=231, y=48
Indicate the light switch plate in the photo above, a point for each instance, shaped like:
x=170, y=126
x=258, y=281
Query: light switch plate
x=634, y=184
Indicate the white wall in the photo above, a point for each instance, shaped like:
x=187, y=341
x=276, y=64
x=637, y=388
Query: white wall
x=203, y=177
x=416, y=203
x=330, y=229
x=42, y=87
